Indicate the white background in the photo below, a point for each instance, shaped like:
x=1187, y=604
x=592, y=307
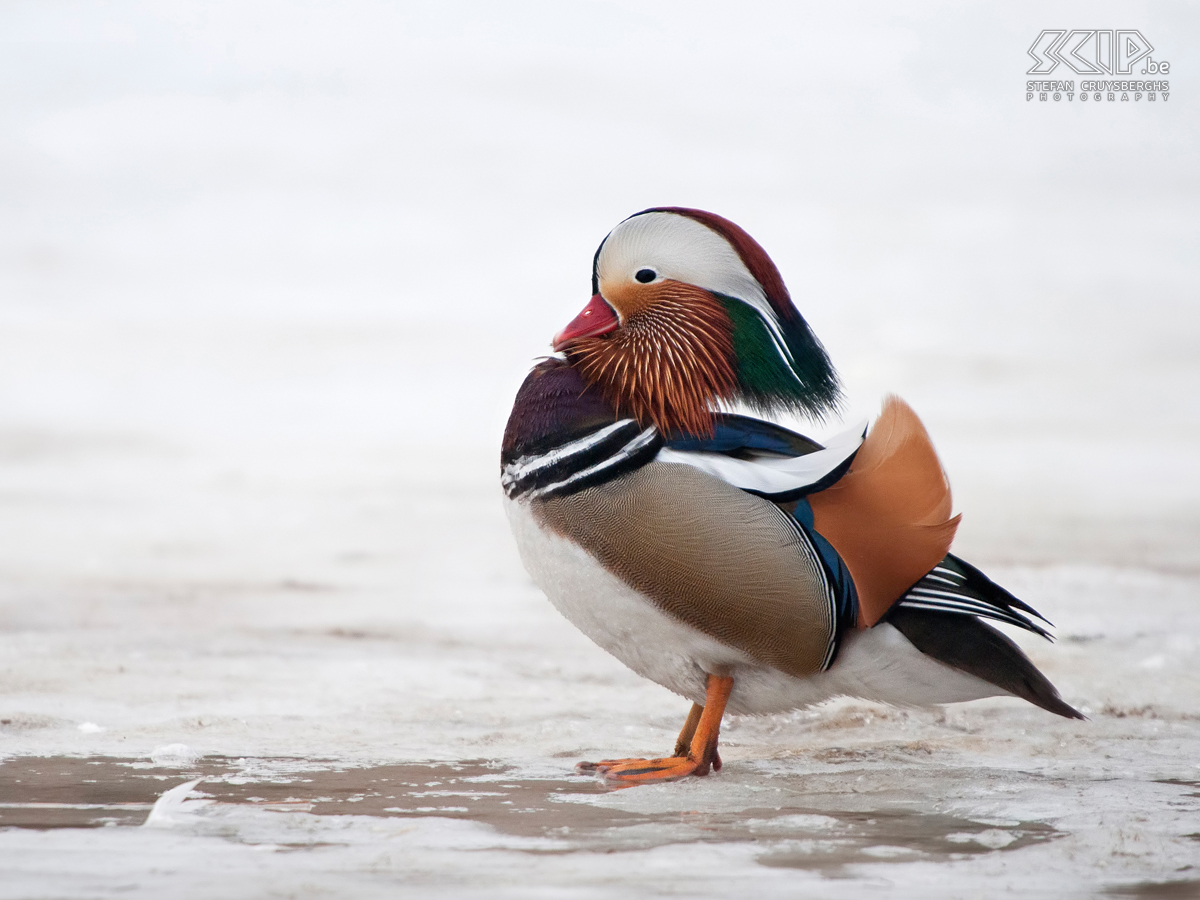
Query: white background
x=271, y=273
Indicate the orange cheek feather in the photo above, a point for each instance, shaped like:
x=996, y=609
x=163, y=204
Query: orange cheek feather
x=629, y=298
x=670, y=360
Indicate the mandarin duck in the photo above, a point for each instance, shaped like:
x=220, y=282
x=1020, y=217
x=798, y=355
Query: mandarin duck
x=735, y=562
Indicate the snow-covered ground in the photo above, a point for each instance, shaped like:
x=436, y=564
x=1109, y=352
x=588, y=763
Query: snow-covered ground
x=269, y=277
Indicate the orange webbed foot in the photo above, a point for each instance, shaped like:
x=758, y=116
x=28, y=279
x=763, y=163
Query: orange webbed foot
x=628, y=772
x=595, y=768
x=695, y=751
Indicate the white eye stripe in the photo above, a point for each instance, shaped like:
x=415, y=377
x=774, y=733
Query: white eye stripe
x=682, y=249
x=679, y=248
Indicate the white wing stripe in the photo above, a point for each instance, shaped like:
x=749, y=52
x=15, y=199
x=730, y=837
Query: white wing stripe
x=955, y=600
x=933, y=576
x=987, y=612
x=770, y=476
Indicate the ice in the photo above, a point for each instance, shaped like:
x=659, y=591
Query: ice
x=175, y=806
x=174, y=755
x=269, y=278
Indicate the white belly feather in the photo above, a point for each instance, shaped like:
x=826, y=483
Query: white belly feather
x=875, y=664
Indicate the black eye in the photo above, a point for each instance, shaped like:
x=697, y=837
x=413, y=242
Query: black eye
x=645, y=276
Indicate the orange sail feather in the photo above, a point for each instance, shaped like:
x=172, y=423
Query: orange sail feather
x=889, y=517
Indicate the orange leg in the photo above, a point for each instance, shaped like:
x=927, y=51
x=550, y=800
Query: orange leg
x=684, y=742
x=695, y=751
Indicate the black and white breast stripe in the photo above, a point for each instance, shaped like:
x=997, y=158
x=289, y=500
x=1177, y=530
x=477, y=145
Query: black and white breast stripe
x=581, y=463
x=813, y=560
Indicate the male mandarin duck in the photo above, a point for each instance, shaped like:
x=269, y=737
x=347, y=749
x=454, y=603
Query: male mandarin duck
x=730, y=560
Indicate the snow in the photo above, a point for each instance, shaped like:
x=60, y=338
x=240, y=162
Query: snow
x=269, y=277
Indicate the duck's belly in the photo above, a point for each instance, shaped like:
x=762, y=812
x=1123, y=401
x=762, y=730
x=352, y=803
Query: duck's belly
x=876, y=664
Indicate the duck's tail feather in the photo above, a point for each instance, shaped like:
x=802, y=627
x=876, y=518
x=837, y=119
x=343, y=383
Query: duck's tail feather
x=970, y=645
x=955, y=586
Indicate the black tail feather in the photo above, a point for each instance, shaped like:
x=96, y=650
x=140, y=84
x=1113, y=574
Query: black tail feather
x=977, y=581
x=958, y=588
x=975, y=647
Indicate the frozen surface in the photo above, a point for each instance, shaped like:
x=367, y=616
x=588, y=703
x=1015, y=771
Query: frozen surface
x=269, y=277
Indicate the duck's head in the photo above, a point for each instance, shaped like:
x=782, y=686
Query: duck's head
x=688, y=313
